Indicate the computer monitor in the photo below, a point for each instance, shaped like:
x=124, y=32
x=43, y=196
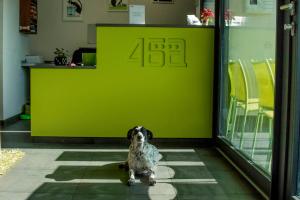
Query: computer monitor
x=89, y=59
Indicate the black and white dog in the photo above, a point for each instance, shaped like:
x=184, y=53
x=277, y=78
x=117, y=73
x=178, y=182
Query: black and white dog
x=143, y=157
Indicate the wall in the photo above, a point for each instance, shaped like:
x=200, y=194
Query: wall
x=256, y=38
x=1, y=59
x=15, y=47
x=53, y=32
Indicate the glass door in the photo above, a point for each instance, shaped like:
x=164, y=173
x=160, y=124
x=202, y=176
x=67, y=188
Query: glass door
x=248, y=74
x=259, y=92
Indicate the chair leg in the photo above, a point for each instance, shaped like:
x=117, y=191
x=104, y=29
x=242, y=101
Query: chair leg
x=269, y=156
x=262, y=122
x=258, y=121
x=243, y=129
x=229, y=116
x=235, y=108
x=270, y=164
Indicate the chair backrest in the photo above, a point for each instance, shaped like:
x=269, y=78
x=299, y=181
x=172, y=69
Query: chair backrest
x=237, y=75
x=265, y=83
x=271, y=64
x=230, y=73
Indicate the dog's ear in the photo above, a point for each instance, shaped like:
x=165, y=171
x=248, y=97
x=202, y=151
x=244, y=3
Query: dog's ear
x=149, y=135
x=129, y=134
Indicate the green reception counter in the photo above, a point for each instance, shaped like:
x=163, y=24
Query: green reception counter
x=158, y=77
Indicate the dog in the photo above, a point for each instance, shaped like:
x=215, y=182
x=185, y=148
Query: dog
x=143, y=157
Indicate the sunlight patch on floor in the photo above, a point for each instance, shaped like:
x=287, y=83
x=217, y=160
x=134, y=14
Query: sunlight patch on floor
x=8, y=158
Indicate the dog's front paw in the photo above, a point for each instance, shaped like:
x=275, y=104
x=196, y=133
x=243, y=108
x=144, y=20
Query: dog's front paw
x=152, y=182
x=130, y=182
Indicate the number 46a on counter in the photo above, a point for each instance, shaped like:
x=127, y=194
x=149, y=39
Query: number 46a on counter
x=158, y=52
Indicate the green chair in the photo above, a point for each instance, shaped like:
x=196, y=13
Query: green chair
x=232, y=101
x=239, y=98
x=271, y=64
x=265, y=83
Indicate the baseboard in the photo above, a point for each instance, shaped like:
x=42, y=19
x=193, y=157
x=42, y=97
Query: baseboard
x=10, y=121
x=165, y=142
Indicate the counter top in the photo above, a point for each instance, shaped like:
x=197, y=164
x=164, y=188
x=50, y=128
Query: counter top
x=52, y=66
x=155, y=25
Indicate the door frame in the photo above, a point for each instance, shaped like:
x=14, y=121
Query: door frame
x=290, y=167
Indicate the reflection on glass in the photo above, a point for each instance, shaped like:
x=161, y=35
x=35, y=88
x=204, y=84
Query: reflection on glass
x=205, y=11
x=247, y=102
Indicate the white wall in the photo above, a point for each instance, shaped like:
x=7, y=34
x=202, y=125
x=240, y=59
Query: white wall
x=1, y=59
x=256, y=39
x=15, y=47
x=54, y=32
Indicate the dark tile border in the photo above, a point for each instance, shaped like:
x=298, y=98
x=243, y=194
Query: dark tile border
x=10, y=121
x=171, y=142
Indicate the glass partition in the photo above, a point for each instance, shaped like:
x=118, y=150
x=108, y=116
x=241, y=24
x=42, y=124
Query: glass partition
x=248, y=79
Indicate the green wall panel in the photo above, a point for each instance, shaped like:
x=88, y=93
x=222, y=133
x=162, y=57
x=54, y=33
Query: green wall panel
x=161, y=78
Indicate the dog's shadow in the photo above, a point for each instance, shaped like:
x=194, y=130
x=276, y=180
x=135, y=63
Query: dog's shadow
x=105, y=172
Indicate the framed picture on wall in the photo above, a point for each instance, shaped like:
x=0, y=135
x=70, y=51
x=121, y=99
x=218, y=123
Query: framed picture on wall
x=117, y=5
x=72, y=10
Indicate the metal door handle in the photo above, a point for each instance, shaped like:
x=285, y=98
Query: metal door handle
x=289, y=6
x=290, y=27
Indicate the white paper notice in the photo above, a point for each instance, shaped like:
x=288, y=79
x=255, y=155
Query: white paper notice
x=136, y=14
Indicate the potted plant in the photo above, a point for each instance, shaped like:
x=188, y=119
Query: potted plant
x=206, y=16
x=61, y=57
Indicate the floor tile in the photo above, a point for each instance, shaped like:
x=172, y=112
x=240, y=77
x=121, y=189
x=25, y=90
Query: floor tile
x=14, y=196
x=184, y=189
x=67, y=173
x=83, y=171
x=50, y=196
x=220, y=197
x=190, y=172
x=229, y=180
x=92, y=156
x=123, y=197
x=57, y=188
x=180, y=156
